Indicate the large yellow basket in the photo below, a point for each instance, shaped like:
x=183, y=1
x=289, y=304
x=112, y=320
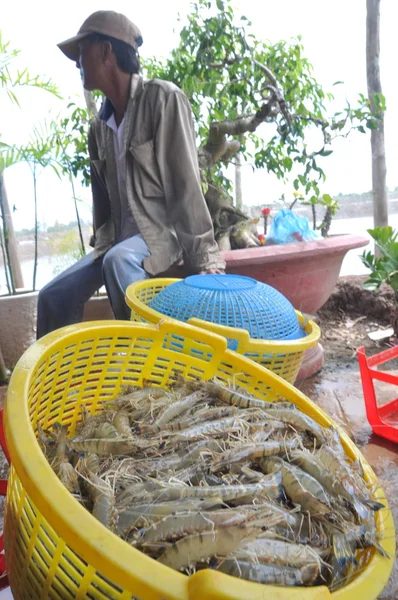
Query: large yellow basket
x=283, y=358
x=54, y=547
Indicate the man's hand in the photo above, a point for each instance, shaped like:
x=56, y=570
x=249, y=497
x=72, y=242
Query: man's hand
x=212, y=272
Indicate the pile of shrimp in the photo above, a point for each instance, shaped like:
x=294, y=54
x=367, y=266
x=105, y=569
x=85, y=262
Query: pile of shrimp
x=204, y=476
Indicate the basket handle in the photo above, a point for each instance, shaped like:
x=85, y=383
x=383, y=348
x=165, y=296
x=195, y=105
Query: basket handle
x=236, y=333
x=217, y=342
x=214, y=585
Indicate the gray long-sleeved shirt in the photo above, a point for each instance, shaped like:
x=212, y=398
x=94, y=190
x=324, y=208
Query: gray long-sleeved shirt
x=162, y=179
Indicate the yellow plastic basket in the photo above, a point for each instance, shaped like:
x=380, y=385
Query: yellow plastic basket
x=281, y=357
x=54, y=547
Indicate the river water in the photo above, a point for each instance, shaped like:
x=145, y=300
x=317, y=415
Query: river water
x=352, y=264
x=49, y=266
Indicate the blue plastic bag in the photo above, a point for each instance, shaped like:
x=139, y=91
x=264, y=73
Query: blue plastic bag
x=287, y=227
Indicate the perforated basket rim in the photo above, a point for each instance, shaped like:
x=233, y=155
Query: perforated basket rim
x=313, y=332
x=110, y=555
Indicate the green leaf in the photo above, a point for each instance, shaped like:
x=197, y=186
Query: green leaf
x=372, y=124
x=393, y=280
x=301, y=179
x=287, y=163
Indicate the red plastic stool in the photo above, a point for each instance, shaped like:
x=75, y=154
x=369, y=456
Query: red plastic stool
x=3, y=491
x=383, y=419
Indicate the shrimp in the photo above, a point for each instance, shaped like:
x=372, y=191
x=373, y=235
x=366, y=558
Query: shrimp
x=47, y=443
x=252, y=451
x=135, y=397
x=89, y=423
x=302, y=529
x=138, y=491
x=355, y=488
x=311, y=464
x=207, y=478
x=60, y=463
x=106, y=447
x=68, y=477
x=270, y=486
x=106, y=430
x=347, y=538
x=100, y=494
x=279, y=552
x=252, y=475
x=121, y=422
x=369, y=537
x=302, y=489
x=334, y=441
x=226, y=395
x=139, y=515
x=177, y=408
x=198, y=417
x=179, y=524
x=192, y=474
x=221, y=426
x=298, y=420
x=197, y=449
x=200, y=547
x=273, y=424
x=271, y=574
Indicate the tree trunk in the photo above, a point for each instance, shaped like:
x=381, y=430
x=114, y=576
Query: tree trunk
x=79, y=225
x=380, y=205
x=3, y=370
x=5, y=262
x=36, y=227
x=238, y=181
x=90, y=103
x=10, y=239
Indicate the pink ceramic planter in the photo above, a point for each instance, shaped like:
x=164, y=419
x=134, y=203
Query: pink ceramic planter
x=304, y=272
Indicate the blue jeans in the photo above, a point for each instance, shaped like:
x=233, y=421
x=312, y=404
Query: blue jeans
x=61, y=302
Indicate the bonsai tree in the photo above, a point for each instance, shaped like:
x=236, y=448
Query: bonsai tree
x=237, y=84
x=384, y=270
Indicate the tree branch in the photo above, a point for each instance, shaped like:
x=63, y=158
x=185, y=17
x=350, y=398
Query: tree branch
x=276, y=91
x=219, y=148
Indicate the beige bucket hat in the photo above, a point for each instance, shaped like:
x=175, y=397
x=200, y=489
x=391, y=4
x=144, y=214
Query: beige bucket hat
x=107, y=22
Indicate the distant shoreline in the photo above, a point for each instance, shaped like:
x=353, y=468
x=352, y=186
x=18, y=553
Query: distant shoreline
x=349, y=208
x=46, y=244
x=47, y=241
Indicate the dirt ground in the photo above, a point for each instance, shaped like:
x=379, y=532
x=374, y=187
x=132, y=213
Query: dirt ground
x=347, y=318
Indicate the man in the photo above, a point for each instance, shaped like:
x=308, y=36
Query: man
x=148, y=206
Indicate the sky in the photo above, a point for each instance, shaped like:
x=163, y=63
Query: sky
x=333, y=34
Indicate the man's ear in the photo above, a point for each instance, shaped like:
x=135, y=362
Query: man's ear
x=106, y=51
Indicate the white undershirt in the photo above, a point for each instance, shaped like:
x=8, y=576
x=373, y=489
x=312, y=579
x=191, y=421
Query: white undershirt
x=128, y=225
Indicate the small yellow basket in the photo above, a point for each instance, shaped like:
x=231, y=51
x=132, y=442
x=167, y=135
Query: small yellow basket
x=281, y=357
x=54, y=547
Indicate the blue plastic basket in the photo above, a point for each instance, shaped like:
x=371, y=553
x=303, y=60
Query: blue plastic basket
x=231, y=300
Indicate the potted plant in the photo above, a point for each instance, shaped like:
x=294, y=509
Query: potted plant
x=238, y=86
x=384, y=268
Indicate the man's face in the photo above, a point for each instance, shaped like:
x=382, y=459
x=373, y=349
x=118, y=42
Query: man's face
x=89, y=63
